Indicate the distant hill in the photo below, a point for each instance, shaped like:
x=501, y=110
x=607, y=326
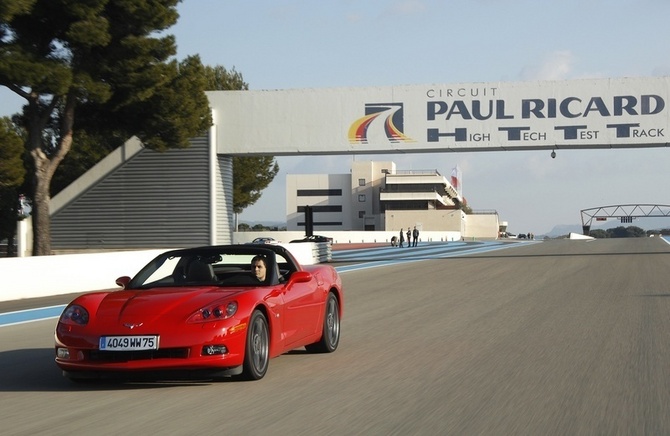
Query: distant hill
x=563, y=229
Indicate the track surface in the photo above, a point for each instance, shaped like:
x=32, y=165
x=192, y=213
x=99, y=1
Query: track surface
x=553, y=338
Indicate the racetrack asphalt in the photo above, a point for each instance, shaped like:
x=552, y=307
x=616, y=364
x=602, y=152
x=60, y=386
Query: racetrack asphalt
x=553, y=338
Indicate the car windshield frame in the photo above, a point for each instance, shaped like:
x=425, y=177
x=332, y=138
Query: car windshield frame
x=230, y=264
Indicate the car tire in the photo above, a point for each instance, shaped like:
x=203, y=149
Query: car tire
x=257, y=354
x=330, y=336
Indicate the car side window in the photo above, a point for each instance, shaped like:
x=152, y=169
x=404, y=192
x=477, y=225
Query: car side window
x=286, y=267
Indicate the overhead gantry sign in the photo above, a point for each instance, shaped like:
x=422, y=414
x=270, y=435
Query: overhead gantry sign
x=571, y=114
x=624, y=212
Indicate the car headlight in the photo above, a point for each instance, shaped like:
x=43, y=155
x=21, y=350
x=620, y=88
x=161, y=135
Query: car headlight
x=215, y=312
x=74, y=315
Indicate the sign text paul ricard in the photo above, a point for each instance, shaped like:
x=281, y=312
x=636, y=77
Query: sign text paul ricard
x=595, y=113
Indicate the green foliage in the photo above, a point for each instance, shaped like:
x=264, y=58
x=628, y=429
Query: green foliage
x=598, y=233
x=8, y=216
x=626, y=232
x=106, y=64
x=244, y=227
x=619, y=232
x=12, y=176
x=10, y=8
x=250, y=176
x=11, y=150
x=165, y=117
x=220, y=79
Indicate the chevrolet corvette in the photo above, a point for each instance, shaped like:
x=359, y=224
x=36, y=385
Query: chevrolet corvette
x=214, y=311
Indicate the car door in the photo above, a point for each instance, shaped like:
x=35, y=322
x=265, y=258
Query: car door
x=302, y=308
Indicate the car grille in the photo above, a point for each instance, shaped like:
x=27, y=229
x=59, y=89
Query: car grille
x=127, y=356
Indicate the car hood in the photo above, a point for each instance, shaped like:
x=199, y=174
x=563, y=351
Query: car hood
x=149, y=305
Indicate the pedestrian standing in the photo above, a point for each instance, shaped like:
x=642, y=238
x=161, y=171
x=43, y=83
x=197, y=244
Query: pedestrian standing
x=415, y=236
x=409, y=237
x=402, y=238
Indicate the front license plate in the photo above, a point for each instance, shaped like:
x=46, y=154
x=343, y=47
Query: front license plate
x=128, y=343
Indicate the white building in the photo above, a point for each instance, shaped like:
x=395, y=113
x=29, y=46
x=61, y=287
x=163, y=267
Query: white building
x=376, y=196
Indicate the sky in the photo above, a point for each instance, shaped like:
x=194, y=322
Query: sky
x=295, y=44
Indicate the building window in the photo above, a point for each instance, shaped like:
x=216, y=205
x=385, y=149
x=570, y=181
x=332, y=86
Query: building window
x=361, y=182
x=321, y=223
x=361, y=214
x=361, y=198
x=319, y=192
x=328, y=208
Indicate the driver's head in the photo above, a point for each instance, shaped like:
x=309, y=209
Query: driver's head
x=259, y=267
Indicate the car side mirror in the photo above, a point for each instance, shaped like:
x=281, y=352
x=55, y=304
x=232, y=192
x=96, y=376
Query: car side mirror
x=123, y=281
x=300, y=277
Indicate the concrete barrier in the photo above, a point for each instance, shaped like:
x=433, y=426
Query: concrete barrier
x=347, y=236
x=42, y=276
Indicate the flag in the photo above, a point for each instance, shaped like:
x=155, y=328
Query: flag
x=456, y=180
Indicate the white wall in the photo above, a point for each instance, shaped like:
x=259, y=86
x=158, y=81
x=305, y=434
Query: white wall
x=435, y=220
x=346, y=237
x=24, y=237
x=481, y=226
x=41, y=276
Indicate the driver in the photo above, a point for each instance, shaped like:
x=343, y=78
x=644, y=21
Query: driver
x=259, y=267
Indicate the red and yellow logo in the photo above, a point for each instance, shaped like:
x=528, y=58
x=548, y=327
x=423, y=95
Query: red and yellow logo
x=393, y=124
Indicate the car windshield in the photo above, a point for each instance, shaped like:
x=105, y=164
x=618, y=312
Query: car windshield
x=219, y=266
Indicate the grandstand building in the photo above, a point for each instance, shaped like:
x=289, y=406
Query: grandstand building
x=377, y=196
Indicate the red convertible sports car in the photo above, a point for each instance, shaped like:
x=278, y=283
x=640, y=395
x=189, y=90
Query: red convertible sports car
x=217, y=310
